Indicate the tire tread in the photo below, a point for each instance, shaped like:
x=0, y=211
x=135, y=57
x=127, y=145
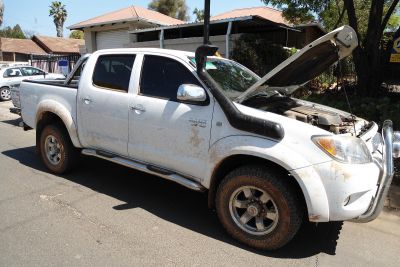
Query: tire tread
x=270, y=241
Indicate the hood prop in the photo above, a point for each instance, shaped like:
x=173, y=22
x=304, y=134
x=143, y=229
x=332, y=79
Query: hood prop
x=236, y=118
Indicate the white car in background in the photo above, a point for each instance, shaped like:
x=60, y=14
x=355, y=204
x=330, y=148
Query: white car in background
x=15, y=75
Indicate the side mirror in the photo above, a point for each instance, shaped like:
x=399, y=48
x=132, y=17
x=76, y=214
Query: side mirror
x=191, y=93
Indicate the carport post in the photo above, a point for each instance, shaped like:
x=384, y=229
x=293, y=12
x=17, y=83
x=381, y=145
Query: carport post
x=206, y=22
x=162, y=38
x=228, y=41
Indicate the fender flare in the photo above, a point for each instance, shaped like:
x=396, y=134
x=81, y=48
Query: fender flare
x=303, y=173
x=63, y=113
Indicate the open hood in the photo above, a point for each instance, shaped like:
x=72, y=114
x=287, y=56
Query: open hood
x=306, y=64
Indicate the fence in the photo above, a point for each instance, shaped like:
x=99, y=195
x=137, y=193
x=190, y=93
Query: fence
x=50, y=62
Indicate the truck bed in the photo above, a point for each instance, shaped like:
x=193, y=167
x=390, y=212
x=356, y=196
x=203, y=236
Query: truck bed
x=35, y=94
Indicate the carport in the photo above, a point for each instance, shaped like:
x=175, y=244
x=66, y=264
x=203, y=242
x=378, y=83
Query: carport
x=223, y=33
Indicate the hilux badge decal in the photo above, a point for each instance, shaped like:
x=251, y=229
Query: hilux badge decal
x=198, y=123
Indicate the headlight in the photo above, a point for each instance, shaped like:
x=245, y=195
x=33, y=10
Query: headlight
x=347, y=149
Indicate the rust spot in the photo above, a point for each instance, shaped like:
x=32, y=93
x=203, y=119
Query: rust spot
x=213, y=155
x=195, y=140
x=314, y=217
x=339, y=172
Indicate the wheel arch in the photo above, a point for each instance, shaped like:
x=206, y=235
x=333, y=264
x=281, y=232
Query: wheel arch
x=234, y=161
x=49, y=112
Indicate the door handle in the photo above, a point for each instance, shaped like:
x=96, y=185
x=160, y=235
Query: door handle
x=86, y=100
x=138, y=108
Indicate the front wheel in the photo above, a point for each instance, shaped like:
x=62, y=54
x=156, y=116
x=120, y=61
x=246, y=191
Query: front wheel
x=258, y=207
x=5, y=94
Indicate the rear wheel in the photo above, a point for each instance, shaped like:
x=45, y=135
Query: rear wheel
x=56, y=149
x=5, y=94
x=258, y=207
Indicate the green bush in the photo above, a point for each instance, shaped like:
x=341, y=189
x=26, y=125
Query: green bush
x=372, y=109
x=258, y=54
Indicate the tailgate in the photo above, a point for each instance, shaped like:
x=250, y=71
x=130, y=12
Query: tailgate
x=15, y=95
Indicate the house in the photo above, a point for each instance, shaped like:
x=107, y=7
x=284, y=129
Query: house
x=41, y=51
x=58, y=45
x=139, y=27
x=306, y=34
x=18, y=50
x=226, y=28
x=111, y=30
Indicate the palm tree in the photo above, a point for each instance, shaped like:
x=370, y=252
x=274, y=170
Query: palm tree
x=1, y=11
x=59, y=13
x=199, y=13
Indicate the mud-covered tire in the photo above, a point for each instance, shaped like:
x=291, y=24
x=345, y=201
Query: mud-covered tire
x=282, y=197
x=67, y=154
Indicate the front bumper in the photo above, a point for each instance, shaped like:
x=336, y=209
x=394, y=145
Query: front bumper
x=337, y=191
x=386, y=175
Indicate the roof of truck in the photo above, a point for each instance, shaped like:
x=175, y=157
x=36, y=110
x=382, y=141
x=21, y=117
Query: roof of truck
x=178, y=53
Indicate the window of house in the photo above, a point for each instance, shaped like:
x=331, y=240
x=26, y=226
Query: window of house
x=162, y=76
x=12, y=72
x=113, y=72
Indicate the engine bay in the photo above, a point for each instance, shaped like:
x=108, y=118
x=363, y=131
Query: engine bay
x=323, y=117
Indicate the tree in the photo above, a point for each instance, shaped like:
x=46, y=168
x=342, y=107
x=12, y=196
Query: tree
x=77, y=35
x=1, y=11
x=369, y=18
x=199, y=13
x=15, y=32
x=59, y=13
x=335, y=15
x=18, y=33
x=173, y=8
x=30, y=33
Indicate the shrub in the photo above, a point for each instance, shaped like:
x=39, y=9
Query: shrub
x=258, y=54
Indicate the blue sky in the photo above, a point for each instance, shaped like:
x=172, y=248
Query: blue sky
x=33, y=15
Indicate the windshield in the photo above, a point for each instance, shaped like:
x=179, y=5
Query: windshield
x=232, y=77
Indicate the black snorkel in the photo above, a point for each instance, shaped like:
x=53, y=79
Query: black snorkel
x=236, y=118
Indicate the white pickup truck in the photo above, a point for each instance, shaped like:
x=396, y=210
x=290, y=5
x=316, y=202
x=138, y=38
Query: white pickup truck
x=267, y=161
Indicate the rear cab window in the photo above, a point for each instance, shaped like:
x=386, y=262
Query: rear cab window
x=113, y=72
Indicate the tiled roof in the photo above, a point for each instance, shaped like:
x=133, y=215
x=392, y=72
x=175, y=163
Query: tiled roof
x=57, y=45
x=263, y=11
x=23, y=46
x=131, y=13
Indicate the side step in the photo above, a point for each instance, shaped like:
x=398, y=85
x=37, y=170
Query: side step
x=151, y=169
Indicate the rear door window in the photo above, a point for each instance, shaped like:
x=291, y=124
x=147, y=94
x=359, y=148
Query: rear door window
x=113, y=72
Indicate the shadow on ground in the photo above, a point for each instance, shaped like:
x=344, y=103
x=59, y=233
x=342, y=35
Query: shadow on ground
x=177, y=204
x=14, y=122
